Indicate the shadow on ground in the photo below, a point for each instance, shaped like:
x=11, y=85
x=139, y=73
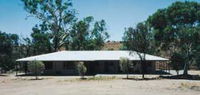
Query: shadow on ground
x=45, y=75
x=141, y=79
x=3, y=75
x=51, y=75
x=188, y=77
x=36, y=79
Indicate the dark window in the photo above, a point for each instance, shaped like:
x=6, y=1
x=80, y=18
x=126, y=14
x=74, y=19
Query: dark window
x=69, y=65
x=48, y=65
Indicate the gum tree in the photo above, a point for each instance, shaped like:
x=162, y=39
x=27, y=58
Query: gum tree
x=55, y=15
x=88, y=34
x=175, y=29
x=8, y=50
x=139, y=40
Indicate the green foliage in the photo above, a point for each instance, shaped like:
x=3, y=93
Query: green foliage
x=197, y=57
x=198, y=61
x=177, y=14
x=56, y=17
x=177, y=62
x=41, y=41
x=81, y=68
x=8, y=50
x=84, y=37
x=60, y=28
x=139, y=40
x=176, y=29
x=124, y=65
x=25, y=47
x=169, y=22
x=36, y=67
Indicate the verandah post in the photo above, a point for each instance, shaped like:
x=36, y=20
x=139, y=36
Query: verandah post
x=16, y=68
x=36, y=76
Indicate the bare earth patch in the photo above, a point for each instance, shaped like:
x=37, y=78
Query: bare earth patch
x=97, y=86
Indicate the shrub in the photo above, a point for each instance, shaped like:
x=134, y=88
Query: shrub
x=81, y=68
x=124, y=65
x=36, y=67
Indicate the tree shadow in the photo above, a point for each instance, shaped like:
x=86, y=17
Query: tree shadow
x=52, y=75
x=36, y=79
x=188, y=77
x=141, y=79
x=83, y=78
x=3, y=75
x=31, y=78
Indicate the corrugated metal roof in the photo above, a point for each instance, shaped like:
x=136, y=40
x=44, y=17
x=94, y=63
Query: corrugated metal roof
x=89, y=56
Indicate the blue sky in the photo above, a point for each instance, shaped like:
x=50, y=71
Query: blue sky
x=118, y=14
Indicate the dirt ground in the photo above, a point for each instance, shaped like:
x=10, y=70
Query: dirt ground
x=10, y=85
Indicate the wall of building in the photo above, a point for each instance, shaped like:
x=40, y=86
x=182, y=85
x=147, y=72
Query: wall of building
x=97, y=67
x=62, y=68
x=136, y=67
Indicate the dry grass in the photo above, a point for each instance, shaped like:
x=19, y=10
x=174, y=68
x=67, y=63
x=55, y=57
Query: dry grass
x=99, y=78
x=99, y=85
x=189, y=85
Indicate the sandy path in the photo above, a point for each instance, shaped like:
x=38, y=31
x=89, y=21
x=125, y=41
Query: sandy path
x=97, y=87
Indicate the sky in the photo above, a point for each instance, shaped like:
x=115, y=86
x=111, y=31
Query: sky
x=118, y=14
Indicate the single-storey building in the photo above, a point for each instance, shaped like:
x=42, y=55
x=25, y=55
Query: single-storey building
x=97, y=62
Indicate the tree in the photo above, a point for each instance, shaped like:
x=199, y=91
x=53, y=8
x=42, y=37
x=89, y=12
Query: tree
x=197, y=61
x=88, y=36
x=124, y=65
x=170, y=26
x=177, y=62
x=139, y=40
x=56, y=16
x=189, y=40
x=26, y=48
x=197, y=57
x=41, y=41
x=81, y=69
x=36, y=67
x=8, y=50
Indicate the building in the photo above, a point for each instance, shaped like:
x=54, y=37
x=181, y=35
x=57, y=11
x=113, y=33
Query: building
x=97, y=62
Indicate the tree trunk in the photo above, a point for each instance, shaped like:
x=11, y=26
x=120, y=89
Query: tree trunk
x=127, y=71
x=142, y=67
x=185, y=73
x=56, y=41
x=36, y=74
x=55, y=46
x=82, y=76
x=143, y=76
x=16, y=68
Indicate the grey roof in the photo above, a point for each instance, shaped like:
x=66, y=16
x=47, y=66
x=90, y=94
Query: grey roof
x=89, y=56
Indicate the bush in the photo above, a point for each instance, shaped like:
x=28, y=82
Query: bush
x=36, y=67
x=124, y=65
x=81, y=69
